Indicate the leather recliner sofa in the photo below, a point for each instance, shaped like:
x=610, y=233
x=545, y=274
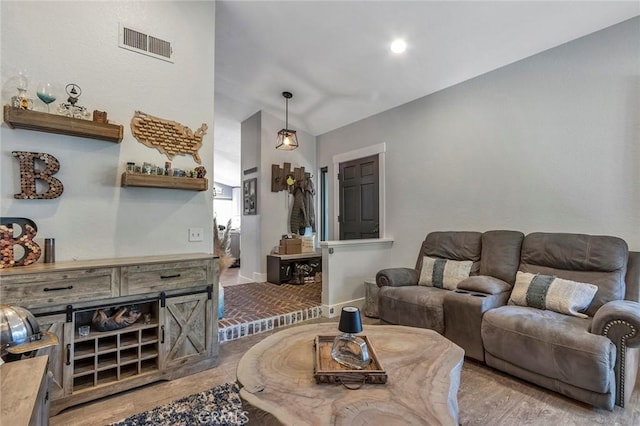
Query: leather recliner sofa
x=591, y=355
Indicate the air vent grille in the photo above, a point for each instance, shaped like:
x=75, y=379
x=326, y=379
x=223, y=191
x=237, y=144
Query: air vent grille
x=159, y=47
x=149, y=45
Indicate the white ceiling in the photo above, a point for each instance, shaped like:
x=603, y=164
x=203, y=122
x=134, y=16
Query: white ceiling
x=334, y=55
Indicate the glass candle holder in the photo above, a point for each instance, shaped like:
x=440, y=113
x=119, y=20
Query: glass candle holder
x=348, y=349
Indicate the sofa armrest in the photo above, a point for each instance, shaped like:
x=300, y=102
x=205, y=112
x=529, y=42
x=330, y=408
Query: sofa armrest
x=619, y=320
x=397, y=277
x=633, y=277
x=484, y=284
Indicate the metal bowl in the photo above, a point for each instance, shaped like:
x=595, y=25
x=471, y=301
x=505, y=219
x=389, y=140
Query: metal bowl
x=20, y=331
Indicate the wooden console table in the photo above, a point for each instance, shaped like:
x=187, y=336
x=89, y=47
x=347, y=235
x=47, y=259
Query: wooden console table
x=423, y=368
x=178, y=295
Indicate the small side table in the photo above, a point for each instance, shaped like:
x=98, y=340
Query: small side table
x=371, y=298
x=24, y=390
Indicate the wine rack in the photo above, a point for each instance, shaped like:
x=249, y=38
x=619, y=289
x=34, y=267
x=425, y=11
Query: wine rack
x=105, y=357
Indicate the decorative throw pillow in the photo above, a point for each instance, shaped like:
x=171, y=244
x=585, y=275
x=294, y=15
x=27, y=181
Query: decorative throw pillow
x=443, y=273
x=552, y=293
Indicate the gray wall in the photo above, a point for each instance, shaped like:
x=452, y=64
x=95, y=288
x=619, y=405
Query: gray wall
x=549, y=143
x=250, y=224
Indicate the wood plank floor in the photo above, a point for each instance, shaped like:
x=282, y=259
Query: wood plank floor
x=486, y=397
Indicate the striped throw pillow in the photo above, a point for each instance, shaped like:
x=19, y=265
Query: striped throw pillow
x=443, y=273
x=552, y=293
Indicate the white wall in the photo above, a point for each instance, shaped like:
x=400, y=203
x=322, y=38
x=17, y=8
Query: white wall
x=550, y=143
x=65, y=42
x=346, y=265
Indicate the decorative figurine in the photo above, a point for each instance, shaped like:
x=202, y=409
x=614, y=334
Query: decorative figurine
x=22, y=101
x=70, y=109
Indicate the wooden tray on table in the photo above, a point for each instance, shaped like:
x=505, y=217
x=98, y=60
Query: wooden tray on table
x=326, y=370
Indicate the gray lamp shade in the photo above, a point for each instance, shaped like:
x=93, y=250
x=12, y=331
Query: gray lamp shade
x=350, y=321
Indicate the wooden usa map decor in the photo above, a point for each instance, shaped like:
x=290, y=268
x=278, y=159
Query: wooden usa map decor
x=168, y=137
x=31, y=250
x=29, y=175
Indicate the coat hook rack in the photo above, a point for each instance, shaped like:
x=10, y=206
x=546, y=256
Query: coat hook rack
x=284, y=179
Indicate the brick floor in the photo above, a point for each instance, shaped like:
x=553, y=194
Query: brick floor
x=256, y=307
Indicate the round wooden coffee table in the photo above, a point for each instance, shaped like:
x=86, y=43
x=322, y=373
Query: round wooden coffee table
x=423, y=368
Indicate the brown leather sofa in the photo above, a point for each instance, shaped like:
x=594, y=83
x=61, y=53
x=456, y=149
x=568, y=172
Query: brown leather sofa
x=593, y=359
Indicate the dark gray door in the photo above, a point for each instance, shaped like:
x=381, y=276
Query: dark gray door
x=359, y=197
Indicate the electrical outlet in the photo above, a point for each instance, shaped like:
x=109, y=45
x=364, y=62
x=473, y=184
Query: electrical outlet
x=195, y=234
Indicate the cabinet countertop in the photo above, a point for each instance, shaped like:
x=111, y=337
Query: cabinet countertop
x=102, y=263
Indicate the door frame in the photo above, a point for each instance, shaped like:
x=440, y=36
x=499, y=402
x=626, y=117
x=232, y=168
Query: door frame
x=379, y=149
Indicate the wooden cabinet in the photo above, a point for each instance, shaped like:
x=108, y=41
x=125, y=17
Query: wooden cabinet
x=24, y=387
x=177, y=336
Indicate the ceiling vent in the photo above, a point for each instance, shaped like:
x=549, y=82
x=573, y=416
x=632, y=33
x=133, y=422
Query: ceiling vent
x=137, y=41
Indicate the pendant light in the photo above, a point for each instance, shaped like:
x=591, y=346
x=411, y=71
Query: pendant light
x=287, y=138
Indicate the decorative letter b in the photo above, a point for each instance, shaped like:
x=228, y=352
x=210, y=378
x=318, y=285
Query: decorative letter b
x=29, y=175
x=25, y=240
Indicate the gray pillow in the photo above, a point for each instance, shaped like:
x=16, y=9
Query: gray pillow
x=443, y=273
x=552, y=293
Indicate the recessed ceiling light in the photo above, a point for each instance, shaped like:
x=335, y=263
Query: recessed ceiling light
x=398, y=46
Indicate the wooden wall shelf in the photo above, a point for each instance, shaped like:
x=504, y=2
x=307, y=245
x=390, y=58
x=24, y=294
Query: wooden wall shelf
x=17, y=118
x=171, y=182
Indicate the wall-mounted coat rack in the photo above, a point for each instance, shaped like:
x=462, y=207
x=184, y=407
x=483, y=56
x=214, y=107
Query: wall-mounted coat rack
x=283, y=179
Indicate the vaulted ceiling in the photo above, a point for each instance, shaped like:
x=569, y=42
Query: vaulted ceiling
x=335, y=58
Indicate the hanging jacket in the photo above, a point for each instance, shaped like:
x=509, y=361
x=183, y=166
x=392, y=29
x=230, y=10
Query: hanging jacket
x=309, y=194
x=298, y=219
